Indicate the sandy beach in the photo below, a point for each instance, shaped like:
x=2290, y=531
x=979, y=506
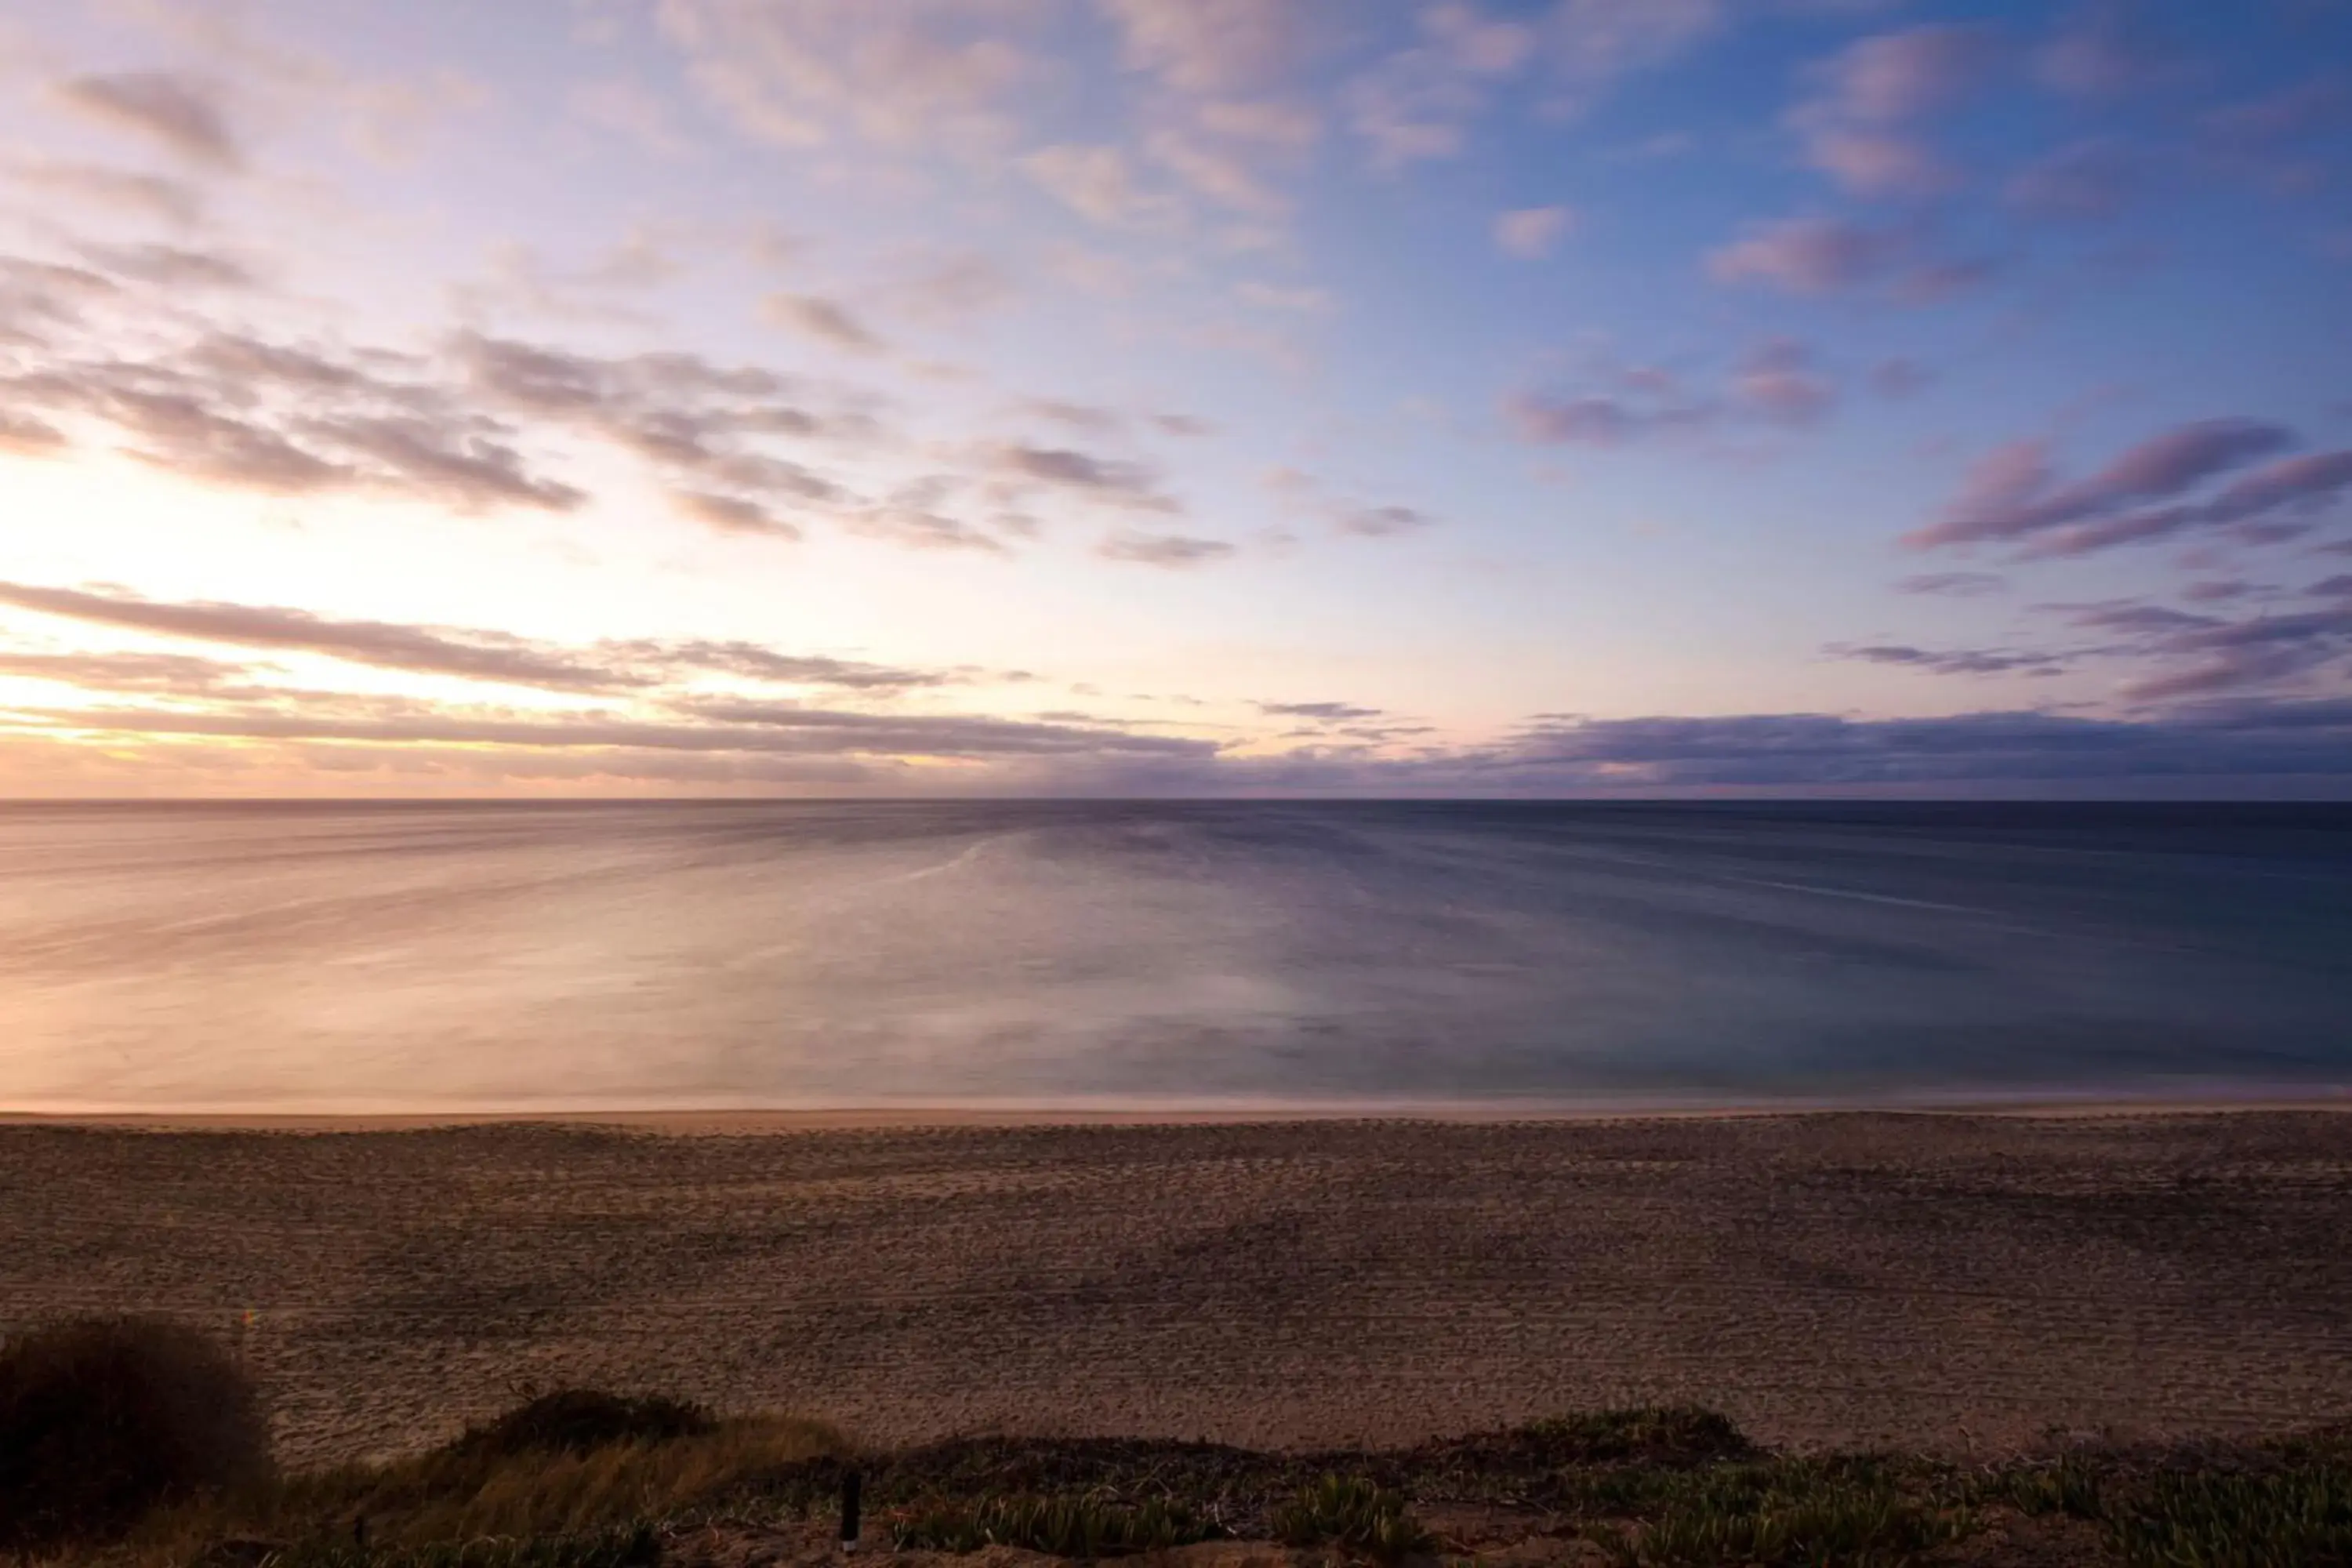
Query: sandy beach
x=1940, y=1280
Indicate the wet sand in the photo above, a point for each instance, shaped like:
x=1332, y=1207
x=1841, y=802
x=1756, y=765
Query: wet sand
x=1936, y=1280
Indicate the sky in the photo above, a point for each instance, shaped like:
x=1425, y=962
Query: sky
x=1175, y=397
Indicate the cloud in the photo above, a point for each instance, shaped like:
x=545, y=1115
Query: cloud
x=709, y=427
x=179, y=675
x=1107, y=479
x=1815, y=255
x=1592, y=43
x=1807, y=256
x=1876, y=164
x=629, y=109
x=1813, y=751
x=799, y=72
x=1285, y=127
x=1098, y=184
x=2105, y=50
x=1325, y=712
x=1954, y=584
x=1093, y=418
x=824, y=320
x=2091, y=180
x=626, y=667
x=1381, y=522
x=733, y=514
x=724, y=726
x=1164, y=549
x=461, y=465
x=1855, y=126
x=1596, y=419
x=2013, y=493
x=1900, y=378
x=151, y=195
x=474, y=655
x=2283, y=118
x=755, y=661
x=240, y=411
x=1892, y=79
x=952, y=285
x=1778, y=380
x=176, y=112
x=917, y=526
x=2228, y=657
x=1214, y=46
x=1216, y=174
x=1305, y=302
x=1532, y=233
x=2264, y=506
x=170, y=266
x=1952, y=661
x=28, y=436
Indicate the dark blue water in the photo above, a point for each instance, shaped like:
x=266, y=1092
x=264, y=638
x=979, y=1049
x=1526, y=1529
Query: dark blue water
x=436, y=957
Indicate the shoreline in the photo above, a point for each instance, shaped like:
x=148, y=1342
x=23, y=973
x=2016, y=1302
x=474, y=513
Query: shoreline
x=750, y=1120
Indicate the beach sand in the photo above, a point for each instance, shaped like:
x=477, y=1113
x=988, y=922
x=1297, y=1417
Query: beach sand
x=1943, y=1281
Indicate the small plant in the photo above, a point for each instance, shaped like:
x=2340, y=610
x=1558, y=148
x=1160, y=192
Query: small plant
x=1085, y=1526
x=1353, y=1513
x=2298, y=1518
x=2070, y=1487
x=103, y=1419
x=1793, y=1516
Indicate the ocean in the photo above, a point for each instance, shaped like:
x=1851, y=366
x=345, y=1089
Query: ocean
x=444, y=958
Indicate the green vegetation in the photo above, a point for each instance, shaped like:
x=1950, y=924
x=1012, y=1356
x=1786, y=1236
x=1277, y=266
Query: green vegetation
x=1793, y=1512
x=2296, y=1518
x=136, y=1445
x=1353, y=1514
x=1083, y=1527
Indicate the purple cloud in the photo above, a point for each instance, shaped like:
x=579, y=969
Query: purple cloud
x=177, y=112
x=1779, y=381
x=1175, y=549
x=2105, y=50
x=2088, y=180
x=1954, y=584
x=1900, y=378
x=1807, y=255
x=2009, y=494
x=1894, y=77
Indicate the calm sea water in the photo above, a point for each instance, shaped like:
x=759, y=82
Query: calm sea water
x=431, y=957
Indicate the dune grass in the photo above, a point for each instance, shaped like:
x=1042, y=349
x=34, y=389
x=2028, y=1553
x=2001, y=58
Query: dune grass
x=2300, y=1517
x=1354, y=1514
x=491, y=1485
x=1083, y=1527
x=583, y=1479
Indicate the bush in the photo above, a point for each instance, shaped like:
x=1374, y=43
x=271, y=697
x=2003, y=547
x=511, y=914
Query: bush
x=102, y=1419
x=579, y=1420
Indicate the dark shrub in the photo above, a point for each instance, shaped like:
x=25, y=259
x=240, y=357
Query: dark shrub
x=102, y=1419
x=575, y=1420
